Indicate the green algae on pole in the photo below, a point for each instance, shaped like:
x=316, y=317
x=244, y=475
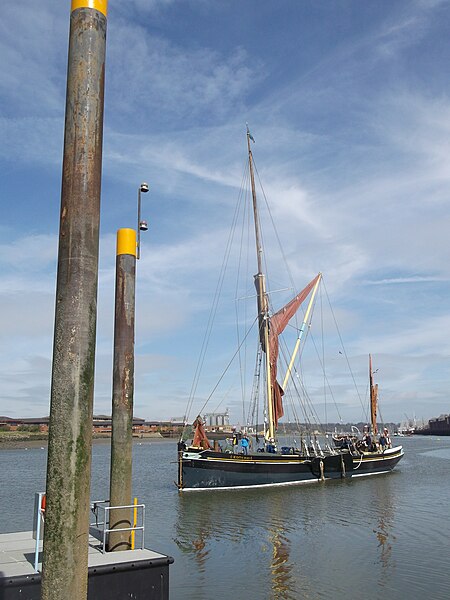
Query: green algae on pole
x=65, y=572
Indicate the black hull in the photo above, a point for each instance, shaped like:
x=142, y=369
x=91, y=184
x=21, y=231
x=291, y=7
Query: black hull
x=373, y=463
x=218, y=470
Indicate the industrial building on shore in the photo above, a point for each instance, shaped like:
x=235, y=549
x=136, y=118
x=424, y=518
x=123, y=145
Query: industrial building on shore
x=101, y=424
x=437, y=426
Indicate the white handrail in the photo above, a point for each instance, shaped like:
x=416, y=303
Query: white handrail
x=103, y=505
x=39, y=519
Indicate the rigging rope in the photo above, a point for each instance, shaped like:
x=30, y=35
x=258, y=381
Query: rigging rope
x=343, y=348
x=226, y=368
x=245, y=216
x=306, y=405
x=213, y=311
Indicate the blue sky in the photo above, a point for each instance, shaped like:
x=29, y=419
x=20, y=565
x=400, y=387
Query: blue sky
x=349, y=105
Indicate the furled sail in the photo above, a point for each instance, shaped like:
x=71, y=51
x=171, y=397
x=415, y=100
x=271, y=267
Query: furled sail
x=262, y=307
x=200, y=439
x=277, y=324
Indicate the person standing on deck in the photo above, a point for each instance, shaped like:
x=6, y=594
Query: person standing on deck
x=367, y=441
x=388, y=439
x=244, y=444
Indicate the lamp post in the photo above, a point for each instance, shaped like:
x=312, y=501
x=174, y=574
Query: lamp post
x=141, y=225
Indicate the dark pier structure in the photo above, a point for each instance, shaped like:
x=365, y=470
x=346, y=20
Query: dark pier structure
x=140, y=574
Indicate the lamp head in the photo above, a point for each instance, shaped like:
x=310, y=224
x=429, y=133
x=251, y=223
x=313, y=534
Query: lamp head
x=143, y=226
x=144, y=187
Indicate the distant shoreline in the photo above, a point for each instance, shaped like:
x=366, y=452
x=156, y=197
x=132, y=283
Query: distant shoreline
x=41, y=442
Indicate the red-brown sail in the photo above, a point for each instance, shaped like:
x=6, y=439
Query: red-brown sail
x=200, y=439
x=277, y=325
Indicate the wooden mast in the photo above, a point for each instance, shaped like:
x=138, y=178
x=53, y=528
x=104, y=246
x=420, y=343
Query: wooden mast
x=263, y=307
x=373, y=399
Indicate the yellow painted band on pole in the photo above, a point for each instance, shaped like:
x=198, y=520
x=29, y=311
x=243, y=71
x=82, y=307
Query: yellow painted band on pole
x=100, y=5
x=126, y=242
x=133, y=533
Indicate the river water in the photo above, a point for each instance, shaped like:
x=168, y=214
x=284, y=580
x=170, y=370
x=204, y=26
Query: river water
x=383, y=536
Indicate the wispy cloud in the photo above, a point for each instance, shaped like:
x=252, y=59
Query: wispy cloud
x=352, y=146
x=198, y=85
x=401, y=280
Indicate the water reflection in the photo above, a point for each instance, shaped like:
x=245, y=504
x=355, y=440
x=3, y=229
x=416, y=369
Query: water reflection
x=383, y=505
x=250, y=532
x=194, y=528
x=282, y=583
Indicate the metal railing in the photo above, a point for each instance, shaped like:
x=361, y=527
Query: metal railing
x=102, y=507
x=38, y=524
x=101, y=526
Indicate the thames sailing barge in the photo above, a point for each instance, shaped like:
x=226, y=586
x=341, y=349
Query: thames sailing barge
x=200, y=466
